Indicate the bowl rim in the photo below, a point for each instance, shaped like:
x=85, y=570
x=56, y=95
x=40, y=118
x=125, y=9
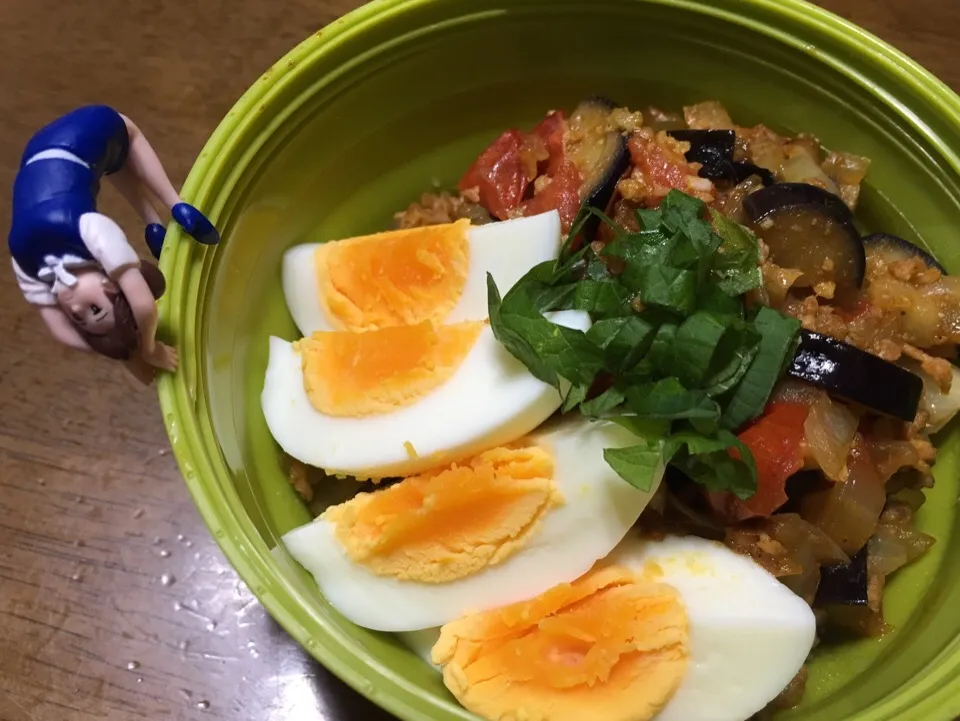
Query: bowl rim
x=196, y=448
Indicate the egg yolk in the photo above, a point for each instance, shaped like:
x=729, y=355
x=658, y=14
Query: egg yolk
x=361, y=374
x=607, y=646
x=453, y=521
x=399, y=277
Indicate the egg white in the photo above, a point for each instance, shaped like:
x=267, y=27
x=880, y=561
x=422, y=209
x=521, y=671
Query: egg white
x=749, y=634
x=506, y=250
x=599, y=509
x=421, y=642
x=490, y=399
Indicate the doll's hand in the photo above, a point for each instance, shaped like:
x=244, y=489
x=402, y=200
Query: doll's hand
x=163, y=357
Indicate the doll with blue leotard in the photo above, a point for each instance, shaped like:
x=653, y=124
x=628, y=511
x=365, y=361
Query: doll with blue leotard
x=76, y=265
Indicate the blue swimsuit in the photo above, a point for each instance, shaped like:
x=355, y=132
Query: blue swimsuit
x=51, y=193
x=58, y=183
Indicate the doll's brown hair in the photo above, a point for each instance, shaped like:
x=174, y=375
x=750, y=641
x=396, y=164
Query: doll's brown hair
x=121, y=341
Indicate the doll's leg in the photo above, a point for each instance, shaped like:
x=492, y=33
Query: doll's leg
x=126, y=181
x=130, y=180
x=146, y=167
x=143, y=162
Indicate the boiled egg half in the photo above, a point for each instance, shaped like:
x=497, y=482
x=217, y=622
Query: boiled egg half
x=677, y=629
x=397, y=401
x=500, y=527
x=404, y=277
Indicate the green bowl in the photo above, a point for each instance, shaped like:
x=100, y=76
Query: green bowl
x=360, y=118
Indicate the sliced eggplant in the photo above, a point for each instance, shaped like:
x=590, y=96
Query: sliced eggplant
x=744, y=170
x=894, y=248
x=599, y=150
x=813, y=231
x=856, y=376
x=714, y=149
x=845, y=584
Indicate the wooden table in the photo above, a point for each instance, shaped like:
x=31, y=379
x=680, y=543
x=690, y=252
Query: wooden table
x=114, y=601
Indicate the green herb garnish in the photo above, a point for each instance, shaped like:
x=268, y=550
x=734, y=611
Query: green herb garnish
x=681, y=361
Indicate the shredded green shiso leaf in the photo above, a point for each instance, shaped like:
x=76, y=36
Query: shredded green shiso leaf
x=677, y=357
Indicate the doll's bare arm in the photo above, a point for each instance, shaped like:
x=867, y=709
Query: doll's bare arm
x=142, y=304
x=109, y=246
x=62, y=328
x=40, y=295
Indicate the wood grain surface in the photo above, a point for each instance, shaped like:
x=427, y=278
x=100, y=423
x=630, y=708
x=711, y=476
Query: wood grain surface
x=114, y=601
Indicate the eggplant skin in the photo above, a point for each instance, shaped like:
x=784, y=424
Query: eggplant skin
x=599, y=196
x=889, y=243
x=599, y=188
x=743, y=170
x=713, y=149
x=782, y=196
x=766, y=201
x=844, y=584
x=856, y=376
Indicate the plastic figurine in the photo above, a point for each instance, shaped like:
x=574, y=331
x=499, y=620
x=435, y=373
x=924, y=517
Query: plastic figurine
x=76, y=265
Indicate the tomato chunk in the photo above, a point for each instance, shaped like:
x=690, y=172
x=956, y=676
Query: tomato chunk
x=562, y=194
x=776, y=441
x=663, y=167
x=659, y=166
x=499, y=175
x=504, y=171
x=551, y=130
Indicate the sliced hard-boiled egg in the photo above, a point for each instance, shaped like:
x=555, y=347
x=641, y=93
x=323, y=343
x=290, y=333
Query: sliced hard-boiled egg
x=421, y=642
x=610, y=645
x=404, y=277
x=677, y=629
x=749, y=634
x=398, y=401
x=498, y=528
